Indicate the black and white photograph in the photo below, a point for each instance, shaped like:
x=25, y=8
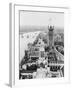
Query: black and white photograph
x=41, y=44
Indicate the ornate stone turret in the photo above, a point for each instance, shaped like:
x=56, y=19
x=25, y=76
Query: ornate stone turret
x=50, y=34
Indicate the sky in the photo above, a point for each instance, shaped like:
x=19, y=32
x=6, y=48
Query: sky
x=29, y=18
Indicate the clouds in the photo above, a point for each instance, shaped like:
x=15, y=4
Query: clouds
x=41, y=19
